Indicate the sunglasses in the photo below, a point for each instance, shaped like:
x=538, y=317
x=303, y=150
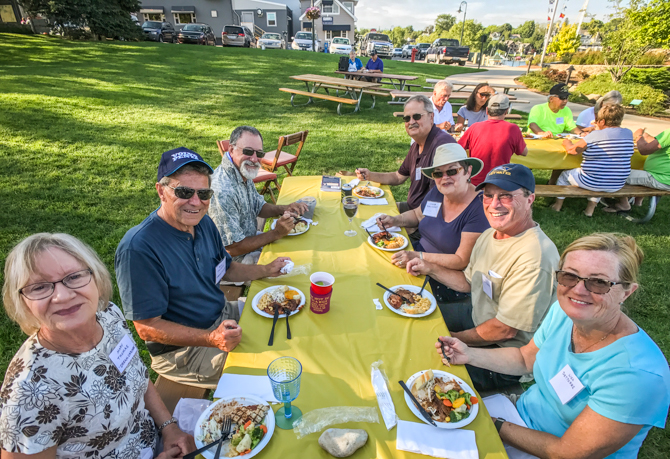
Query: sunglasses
x=247, y=151
x=485, y=94
x=592, y=284
x=415, y=117
x=563, y=97
x=184, y=192
x=449, y=173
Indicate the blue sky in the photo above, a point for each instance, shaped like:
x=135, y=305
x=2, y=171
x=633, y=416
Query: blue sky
x=387, y=13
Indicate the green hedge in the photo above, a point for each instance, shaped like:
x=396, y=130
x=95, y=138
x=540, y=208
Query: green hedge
x=656, y=78
x=653, y=100
x=540, y=82
x=597, y=58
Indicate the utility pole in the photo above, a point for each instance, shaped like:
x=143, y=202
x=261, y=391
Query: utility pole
x=313, y=30
x=464, y=13
x=547, y=37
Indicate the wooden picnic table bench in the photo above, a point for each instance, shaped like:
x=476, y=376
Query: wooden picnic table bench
x=401, y=79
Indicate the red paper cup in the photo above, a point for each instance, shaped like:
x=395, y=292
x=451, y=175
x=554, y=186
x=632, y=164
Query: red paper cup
x=319, y=304
x=327, y=281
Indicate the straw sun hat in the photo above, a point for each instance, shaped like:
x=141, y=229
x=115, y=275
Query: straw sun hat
x=451, y=153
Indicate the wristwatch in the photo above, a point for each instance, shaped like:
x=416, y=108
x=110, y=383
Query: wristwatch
x=172, y=420
x=421, y=255
x=499, y=423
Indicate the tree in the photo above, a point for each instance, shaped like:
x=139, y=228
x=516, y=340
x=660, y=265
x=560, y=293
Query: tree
x=653, y=21
x=471, y=34
x=594, y=26
x=444, y=23
x=526, y=30
x=566, y=42
x=622, y=45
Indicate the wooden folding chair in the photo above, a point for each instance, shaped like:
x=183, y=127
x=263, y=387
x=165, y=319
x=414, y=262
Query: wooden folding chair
x=278, y=158
x=264, y=176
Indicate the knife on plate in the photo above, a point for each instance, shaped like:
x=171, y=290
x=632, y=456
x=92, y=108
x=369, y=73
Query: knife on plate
x=423, y=412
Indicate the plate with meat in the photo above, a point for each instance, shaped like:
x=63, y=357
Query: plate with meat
x=301, y=227
x=528, y=136
x=286, y=298
x=388, y=242
x=449, y=400
x=408, y=303
x=253, y=424
x=368, y=192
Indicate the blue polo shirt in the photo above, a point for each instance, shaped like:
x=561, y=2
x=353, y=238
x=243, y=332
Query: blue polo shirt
x=162, y=271
x=372, y=65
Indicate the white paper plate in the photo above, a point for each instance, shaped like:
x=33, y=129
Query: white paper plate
x=443, y=425
x=374, y=188
x=274, y=223
x=242, y=399
x=415, y=289
x=390, y=250
x=257, y=299
x=533, y=137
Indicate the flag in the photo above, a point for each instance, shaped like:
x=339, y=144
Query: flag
x=561, y=15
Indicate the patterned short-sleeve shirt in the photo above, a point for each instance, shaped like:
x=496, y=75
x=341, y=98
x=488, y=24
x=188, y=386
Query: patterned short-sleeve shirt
x=234, y=205
x=79, y=402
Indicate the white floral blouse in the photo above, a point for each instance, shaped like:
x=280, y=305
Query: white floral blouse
x=79, y=402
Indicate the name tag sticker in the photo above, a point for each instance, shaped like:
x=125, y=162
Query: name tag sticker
x=560, y=120
x=566, y=384
x=220, y=270
x=123, y=353
x=417, y=173
x=432, y=208
x=487, y=286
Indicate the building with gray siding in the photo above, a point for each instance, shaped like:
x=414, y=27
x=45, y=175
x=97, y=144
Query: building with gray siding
x=337, y=19
x=265, y=16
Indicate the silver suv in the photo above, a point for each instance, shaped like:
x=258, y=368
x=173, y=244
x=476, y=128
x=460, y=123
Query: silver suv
x=234, y=35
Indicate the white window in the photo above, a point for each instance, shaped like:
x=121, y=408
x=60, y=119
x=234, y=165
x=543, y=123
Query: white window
x=184, y=18
x=330, y=34
x=349, y=6
x=272, y=19
x=215, y=14
x=333, y=9
x=154, y=17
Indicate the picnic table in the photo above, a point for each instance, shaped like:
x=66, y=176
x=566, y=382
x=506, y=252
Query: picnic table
x=336, y=349
x=352, y=88
x=465, y=84
x=404, y=95
x=400, y=79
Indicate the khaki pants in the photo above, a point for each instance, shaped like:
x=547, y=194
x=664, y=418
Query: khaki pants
x=196, y=366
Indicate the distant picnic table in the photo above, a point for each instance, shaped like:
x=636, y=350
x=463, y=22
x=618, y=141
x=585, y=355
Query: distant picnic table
x=398, y=81
x=465, y=84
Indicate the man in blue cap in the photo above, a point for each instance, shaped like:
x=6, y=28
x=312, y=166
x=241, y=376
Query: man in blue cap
x=168, y=269
x=510, y=275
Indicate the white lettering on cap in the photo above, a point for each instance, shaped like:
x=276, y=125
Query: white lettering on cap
x=182, y=155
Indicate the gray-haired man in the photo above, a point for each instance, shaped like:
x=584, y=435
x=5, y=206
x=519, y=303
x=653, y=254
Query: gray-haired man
x=442, y=110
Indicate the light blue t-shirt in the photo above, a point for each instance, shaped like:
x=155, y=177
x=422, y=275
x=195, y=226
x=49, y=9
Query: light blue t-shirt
x=627, y=381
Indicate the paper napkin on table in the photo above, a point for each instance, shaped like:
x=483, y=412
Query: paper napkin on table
x=371, y=225
x=373, y=201
x=432, y=441
x=230, y=385
x=354, y=182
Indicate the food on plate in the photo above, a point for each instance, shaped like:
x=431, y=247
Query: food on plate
x=281, y=297
x=410, y=303
x=248, y=427
x=529, y=136
x=443, y=399
x=300, y=227
x=367, y=192
x=386, y=240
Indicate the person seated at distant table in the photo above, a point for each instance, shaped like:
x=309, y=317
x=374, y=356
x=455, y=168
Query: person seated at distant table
x=374, y=65
x=587, y=357
x=495, y=140
x=450, y=219
x=587, y=119
x=235, y=203
x=442, y=110
x=355, y=63
x=606, y=157
x=474, y=109
x=553, y=117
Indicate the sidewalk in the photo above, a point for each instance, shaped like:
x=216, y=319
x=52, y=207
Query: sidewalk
x=503, y=74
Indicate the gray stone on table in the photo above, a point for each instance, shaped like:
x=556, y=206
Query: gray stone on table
x=343, y=442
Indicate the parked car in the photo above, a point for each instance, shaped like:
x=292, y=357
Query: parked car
x=271, y=41
x=380, y=42
x=407, y=51
x=447, y=51
x=234, y=35
x=199, y=34
x=340, y=45
x=159, y=31
x=303, y=42
x=421, y=49
x=397, y=52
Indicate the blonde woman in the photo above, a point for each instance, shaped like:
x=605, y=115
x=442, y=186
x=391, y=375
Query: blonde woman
x=77, y=387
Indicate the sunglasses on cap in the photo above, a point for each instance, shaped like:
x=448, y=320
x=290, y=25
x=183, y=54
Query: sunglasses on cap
x=247, y=151
x=415, y=117
x=184, y=192
x=449, y=173
x=592, y=284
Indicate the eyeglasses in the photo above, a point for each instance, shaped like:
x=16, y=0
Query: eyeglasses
x=504, y=198
x=563, y=97
x=484, y=94
x=415, y=117
x=247, y=151
x=184, y=192
x=592, y=284
x=42, y=290
x=449, y=173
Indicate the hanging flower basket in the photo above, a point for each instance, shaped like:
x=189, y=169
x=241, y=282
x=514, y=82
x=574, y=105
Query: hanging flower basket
x=313, y=13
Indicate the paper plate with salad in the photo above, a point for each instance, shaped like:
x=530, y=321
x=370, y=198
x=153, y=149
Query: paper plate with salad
x=253, y=424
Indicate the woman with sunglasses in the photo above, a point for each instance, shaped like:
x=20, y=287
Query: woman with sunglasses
x=601, y=382
x=77, y=387
x=450, y=218
x=474, y=109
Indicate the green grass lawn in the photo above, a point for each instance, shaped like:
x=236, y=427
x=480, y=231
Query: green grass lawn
x=82, y=127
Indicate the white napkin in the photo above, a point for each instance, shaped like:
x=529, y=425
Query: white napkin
x=432, y=441
x=371, y=225
x=373, y=201
x=354, y=182
x=288, y=267
x=500, y=406
x=231, y=384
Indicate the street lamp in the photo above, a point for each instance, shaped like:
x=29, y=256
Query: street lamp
x=464, y=13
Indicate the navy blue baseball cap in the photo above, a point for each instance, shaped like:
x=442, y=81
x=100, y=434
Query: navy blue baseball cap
x=173, y=160
x=510, y=177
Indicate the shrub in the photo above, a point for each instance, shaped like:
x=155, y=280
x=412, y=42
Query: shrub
x=653, y=100
x=652, y=59
x=555, y=75
x=587, y=58
x=656, y=78
x=537, y=80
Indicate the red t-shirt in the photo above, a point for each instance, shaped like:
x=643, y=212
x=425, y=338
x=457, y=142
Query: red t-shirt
x=494, y=142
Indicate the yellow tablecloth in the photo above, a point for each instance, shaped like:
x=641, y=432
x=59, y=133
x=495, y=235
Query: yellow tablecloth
x=550, y=154
x=337, y=348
